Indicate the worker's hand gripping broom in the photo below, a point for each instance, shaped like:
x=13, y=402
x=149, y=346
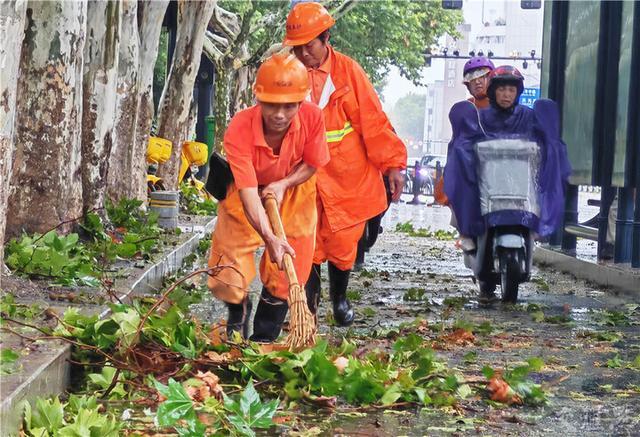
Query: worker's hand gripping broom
x=302, y=325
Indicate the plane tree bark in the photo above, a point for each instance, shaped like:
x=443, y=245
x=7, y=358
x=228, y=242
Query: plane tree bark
x=173, y=117
x=99, y=98
x=46, y=178
x=12, y=21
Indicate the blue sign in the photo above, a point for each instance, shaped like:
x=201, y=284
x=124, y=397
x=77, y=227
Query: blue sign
x=529, y=95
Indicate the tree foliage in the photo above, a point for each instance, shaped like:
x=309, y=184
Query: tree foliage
x=407, y=116
x=160, y=68
x=261, y=24
x=377, y=34
x=383, y=33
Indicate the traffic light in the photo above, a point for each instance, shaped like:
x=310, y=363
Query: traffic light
x=451, y=4
x=530, y=4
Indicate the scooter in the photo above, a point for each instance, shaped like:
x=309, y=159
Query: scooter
x=507, y=171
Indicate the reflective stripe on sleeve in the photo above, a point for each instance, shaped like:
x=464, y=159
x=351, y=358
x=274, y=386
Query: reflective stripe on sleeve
x=335, y=136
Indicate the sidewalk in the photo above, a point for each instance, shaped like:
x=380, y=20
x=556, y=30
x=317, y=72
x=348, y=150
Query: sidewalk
x=617, y=277
x=45, y=369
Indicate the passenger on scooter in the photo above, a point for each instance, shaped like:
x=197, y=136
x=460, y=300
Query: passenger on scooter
x=505, y=119
x=476, y=79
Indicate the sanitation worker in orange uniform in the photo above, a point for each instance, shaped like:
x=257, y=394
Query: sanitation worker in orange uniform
x=273, y=147
x=363, y=148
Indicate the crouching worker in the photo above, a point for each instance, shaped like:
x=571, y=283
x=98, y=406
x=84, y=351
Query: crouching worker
x=273, y=148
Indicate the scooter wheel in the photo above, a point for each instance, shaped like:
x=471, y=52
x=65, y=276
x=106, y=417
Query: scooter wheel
x=509, y=275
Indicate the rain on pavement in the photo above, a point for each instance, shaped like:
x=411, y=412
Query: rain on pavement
x=587, y=337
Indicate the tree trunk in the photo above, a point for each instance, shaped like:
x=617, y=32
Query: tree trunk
x=119, y=178
x=233, y=93
x=12, y=20
x=150, y=15
x=241, y=91
x=226, y=27
x=46, y=180
x=228, y=48
x=173, y=118
x=99, y=102
x=221, y=102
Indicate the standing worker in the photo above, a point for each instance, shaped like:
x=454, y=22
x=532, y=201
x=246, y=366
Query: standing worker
x=363, y=148
x=274, y=147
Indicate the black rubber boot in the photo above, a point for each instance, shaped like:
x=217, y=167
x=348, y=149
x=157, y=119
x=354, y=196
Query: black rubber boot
x=312, y=287
x=360, y=254
x=238, y=318
x=338, y=281
x=269, y=317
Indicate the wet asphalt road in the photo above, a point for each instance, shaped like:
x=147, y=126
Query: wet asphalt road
x=593, y=387
x=588, y=338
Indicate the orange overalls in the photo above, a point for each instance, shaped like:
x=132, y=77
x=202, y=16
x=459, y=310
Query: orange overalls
x=362, y=145
x=253, y=163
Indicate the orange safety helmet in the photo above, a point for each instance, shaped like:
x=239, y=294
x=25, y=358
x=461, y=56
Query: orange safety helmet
x=281, y=79
x=305, y=22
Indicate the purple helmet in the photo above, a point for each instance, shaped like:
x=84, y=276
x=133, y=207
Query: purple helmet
x=476, y=67
x=477, y=62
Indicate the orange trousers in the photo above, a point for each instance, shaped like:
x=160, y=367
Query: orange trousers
x=339, y=247
x=234, y=242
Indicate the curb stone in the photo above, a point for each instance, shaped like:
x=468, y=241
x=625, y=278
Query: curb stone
x=620, y=278
x=49, y=372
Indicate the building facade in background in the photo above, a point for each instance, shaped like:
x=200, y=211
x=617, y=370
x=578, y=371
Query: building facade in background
x=497, y=26
x=434, y=118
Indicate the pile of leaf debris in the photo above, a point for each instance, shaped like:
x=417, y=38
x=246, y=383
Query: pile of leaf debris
x=122, y=231
x=152, y=355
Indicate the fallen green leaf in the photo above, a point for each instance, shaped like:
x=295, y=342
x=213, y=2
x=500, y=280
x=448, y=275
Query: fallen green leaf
x=178, y=405
x=470, y=357
x=8, y=358
x=249, y=412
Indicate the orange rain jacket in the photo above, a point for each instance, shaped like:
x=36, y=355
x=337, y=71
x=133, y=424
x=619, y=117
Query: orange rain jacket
x=362, y=144
x=480, y=103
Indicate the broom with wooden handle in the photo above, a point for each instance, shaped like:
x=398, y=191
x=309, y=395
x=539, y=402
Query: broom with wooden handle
x=302, y=325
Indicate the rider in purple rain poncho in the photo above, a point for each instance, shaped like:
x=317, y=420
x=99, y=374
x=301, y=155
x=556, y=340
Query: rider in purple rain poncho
x=505, y=118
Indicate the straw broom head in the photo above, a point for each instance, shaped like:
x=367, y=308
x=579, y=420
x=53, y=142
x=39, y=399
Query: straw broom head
x=302, y=324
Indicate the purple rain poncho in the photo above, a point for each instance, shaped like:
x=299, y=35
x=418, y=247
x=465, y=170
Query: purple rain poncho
x=461, y=184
